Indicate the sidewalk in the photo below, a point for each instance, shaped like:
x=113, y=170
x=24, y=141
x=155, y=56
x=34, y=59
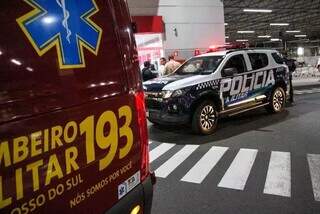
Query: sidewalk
x=306, y=82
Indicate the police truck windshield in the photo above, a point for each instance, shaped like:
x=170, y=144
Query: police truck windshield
x=200, y=65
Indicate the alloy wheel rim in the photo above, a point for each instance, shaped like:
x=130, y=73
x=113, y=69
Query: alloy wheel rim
x=278, y=100
x=207, y=117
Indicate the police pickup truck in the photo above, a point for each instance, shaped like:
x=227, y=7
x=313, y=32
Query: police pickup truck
x=212, y=85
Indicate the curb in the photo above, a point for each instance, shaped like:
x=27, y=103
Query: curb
x=315, y=85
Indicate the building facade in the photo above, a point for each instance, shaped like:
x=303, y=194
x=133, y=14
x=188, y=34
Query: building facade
x=189, y=25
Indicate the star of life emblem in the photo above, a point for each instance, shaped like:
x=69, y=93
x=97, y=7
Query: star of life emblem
x=65, y=25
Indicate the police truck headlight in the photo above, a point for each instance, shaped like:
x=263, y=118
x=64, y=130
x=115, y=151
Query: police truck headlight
x=176, y=93
x=166, y=94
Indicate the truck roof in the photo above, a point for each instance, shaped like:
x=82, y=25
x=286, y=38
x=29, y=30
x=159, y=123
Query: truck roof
x=225, y=52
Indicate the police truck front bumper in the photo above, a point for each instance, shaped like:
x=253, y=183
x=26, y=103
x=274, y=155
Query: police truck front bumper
x=173, y=111
x=157, y=116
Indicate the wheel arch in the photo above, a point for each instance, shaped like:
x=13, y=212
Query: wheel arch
x=206, y=96
x=281, y=84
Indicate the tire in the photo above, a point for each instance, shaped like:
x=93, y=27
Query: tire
x=277, y=101
x=205, y=118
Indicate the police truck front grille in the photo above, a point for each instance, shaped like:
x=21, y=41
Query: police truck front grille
x=153, y=94
x=153, y=104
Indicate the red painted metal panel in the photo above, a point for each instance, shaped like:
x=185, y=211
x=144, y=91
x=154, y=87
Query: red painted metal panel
x=149, y=24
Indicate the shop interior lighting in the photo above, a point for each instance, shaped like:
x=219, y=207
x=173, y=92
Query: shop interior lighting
x=300, y=51
x=227, y=37
x=293, y=31
x=279, y=24
x=242, y=40
x=275, y=40
x=225, y=24
x=257, y=10
x=1, y=53
x=300, y=36
x=265, y=36
x=245, y=31
x=17, y=62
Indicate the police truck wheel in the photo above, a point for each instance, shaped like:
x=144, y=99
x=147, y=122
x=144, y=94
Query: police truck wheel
x=205, y=118
x=277, y=101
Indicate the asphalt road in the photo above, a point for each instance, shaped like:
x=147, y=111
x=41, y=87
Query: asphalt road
x=254, y=163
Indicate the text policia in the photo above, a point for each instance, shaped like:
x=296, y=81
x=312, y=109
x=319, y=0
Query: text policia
x=240, y=85
x=41, y=172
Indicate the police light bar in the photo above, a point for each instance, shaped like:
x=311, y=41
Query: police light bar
x=227, y=46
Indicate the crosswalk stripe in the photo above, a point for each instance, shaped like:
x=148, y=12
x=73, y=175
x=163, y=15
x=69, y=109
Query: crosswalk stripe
x=160, y=150
x=314, y=166
x=278, y=180
x=239, y=170
x=165, y=169
x=203, y=167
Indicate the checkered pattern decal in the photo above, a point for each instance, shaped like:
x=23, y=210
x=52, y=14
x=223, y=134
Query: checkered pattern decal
x=208, y=84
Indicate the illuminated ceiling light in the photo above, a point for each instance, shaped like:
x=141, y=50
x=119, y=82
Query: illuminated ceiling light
x=225, y=24
x=242, y=40
x=1, y=53
x=227, y=37
x=265, y=36
x=300, y=36
x=279, y=24
x=275, y=40
x=257, y=10
x=293, y=31
x=29, y=69
x=17, y=62
x=245, y=31
x=300, y=51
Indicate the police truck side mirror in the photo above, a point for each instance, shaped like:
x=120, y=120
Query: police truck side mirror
x=227, y=72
